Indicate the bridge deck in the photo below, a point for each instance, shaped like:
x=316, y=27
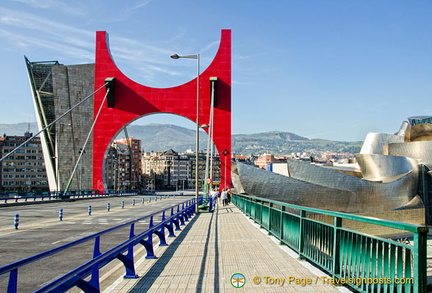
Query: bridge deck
x=215, y=246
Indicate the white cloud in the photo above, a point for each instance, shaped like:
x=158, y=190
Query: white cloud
x=139, y=5
x=53, y=4
x=69, y=44
x=46, y=28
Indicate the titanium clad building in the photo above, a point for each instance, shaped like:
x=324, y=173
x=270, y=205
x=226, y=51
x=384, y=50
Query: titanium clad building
x=393, y=178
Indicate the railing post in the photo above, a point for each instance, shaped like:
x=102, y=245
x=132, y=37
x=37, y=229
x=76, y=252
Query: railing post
x=13, y=281
x=161, y=233
x=337, y=223
x=93, y=284
x=269, y=228
x=282, y=212
x=128, y=259
x=301, y=238
x=151, y=222
x=420, y=260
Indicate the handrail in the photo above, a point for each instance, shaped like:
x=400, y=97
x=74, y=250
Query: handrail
x=365, y=219
x=185, y=210
x=364, y=262
x=16, y=197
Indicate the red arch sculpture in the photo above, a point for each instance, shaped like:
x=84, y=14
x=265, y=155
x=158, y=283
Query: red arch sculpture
x=133, y=100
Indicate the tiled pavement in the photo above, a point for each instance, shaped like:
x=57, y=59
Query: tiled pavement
x=215, y=246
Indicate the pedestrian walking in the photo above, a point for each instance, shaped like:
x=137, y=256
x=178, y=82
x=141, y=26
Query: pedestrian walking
x=214, y=195
x=224, y=197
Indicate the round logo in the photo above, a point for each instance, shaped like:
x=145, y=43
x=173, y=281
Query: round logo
x=238, y=280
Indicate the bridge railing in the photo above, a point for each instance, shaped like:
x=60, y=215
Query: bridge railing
x=15, y=197
x=170, y=220
x=331, y=241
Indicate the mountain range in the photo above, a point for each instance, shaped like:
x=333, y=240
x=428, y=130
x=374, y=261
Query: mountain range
x=161, y=137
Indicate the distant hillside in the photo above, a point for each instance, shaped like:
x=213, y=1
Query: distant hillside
x=278, y=143
x=161, y=137
x=18, y=128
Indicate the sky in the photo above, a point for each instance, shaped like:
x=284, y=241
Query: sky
x=335, y=69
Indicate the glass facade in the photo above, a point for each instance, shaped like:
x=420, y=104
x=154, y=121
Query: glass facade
x=420, y=119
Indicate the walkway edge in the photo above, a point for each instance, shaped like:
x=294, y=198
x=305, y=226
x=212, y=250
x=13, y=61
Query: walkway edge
x=314, y=270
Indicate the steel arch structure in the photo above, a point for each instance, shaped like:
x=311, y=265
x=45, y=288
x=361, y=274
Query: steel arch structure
x=133, y=100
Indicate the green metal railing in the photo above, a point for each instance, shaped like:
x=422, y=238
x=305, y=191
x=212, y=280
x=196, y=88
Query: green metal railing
x=364, y=262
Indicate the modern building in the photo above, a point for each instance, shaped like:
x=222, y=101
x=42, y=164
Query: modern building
x=391, y=178
x=419, y=120
x=24, y=170
x=55, y=89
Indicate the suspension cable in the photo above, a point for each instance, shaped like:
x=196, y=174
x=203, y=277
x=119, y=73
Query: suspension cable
x=55, y=121
x=85, y=143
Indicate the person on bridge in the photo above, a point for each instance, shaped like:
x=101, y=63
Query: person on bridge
x=214, y=195
x=224, y=197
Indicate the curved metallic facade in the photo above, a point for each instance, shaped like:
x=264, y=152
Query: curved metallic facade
x=419, y=150
x=388, y=179
x=325, y=188
x=262, y=183
x=421, y=132
x=376, y=143
x=391, y=195
x=385, y=169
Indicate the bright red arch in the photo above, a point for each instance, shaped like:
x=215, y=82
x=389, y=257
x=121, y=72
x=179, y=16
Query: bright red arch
x=133, y=100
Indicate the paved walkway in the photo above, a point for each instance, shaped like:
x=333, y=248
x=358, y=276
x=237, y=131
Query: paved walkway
x=215, y=246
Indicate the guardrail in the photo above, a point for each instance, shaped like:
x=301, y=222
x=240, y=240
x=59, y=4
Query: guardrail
x=364, y=262
x=46, y=196
x=179, y=214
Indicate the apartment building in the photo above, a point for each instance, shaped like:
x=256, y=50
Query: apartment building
x=24, y=170
x=123, y=165
x=173, y=170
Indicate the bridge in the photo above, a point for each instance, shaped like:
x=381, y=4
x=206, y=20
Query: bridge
x=253, y=244
x=106, y=242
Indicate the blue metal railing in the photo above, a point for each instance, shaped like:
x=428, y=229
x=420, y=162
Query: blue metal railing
x=179, y=214
x=15, y=197
x=330, y=240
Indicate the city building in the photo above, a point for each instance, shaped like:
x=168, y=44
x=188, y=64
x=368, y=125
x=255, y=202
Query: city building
x=265, y=161
x=55, y=88
x=24, y=170
x=123, y=165
x=176, y=171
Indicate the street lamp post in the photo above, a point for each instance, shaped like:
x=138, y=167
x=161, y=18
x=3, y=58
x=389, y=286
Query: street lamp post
x=225, y=153
x=197, y=57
